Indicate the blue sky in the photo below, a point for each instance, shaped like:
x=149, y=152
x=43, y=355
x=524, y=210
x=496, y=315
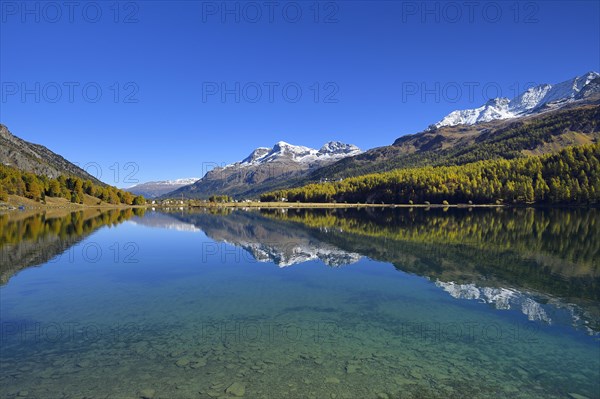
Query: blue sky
x=158, y=90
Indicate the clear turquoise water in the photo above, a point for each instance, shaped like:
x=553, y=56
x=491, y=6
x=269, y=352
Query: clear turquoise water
x=177, y=312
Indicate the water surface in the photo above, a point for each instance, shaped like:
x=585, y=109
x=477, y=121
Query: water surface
x=368, y=303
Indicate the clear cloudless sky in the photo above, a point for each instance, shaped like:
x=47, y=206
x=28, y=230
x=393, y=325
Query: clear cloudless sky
x=107, y=83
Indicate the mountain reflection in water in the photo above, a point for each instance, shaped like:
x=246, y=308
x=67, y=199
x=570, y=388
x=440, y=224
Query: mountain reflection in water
x=541, y=262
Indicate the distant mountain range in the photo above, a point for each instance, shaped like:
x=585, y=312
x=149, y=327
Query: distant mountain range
x=153, y=189
x=266, y=168
x=37, y=159
x=543, y=119
x=534, y=100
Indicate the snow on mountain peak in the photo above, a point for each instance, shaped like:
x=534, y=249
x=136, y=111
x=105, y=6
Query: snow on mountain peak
x=281, y=147
x=497, y=108
x=256, y=155
x=498, y=102
x=525, y=103
x=153, y=189
x=282, y=150
x=530, y=98
x=186, y=180
x=175, y=182
x=588, y=77
x=337, y=147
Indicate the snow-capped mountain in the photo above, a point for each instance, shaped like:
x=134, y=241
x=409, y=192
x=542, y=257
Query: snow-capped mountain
x=331, y=151
x=265, y=167
x=153, y=189
x=534, y=100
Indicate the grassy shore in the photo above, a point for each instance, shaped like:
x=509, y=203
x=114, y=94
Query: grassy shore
x=15, y=202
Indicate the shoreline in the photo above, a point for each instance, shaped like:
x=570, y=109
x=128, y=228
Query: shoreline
x=11, y=207
x=317, y=205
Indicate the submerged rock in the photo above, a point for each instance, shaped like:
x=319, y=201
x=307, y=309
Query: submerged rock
x=147, y=393
x=236, y=389
x=198, y=363
x=352, y=368
x=577, y=396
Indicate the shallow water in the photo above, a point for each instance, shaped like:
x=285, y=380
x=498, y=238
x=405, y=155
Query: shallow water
x=301, y=304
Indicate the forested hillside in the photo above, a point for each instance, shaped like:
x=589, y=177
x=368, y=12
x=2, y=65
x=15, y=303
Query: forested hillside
x=73, y=188
x=458, y=145
x=569, y=176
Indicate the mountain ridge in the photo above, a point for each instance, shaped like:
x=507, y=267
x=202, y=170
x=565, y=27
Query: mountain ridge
x=550, y=117
x=531, y=101
x=37, y=159
x=264, y=168
x=154, y=189
x=542, y=119
x=573, y=124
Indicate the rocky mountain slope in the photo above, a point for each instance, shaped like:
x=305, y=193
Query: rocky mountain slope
x=572, y=124
x=36, y=158
x=265, y=169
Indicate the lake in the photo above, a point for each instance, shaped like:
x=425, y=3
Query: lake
x=300, y=303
